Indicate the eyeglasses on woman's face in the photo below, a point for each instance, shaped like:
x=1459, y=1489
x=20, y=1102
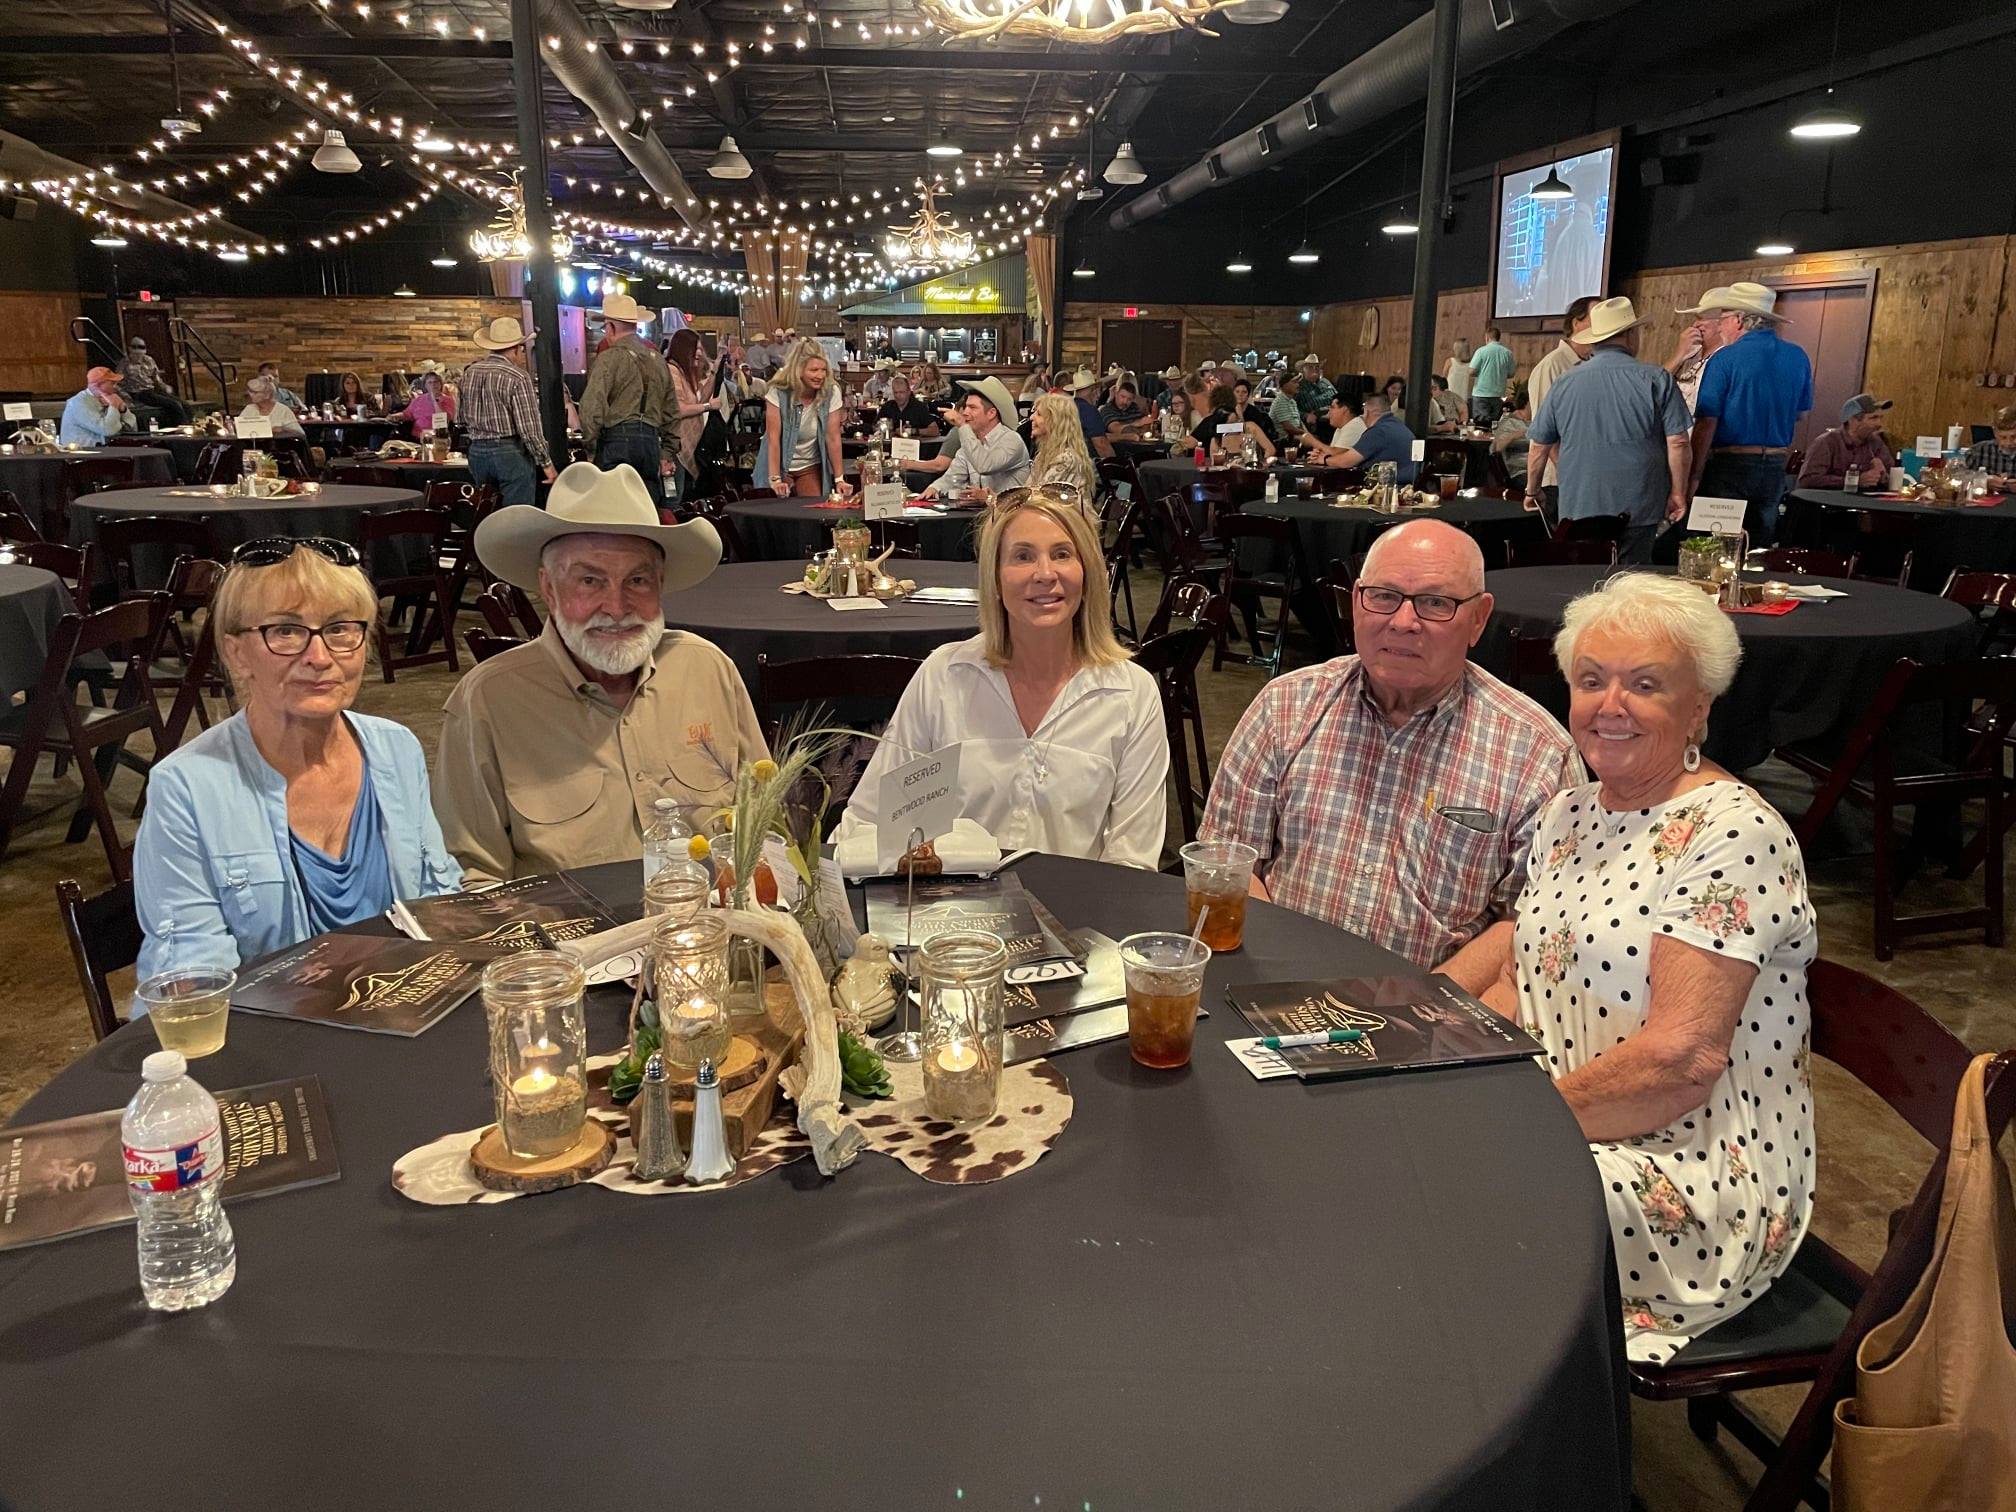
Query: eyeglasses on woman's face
x=286, y=638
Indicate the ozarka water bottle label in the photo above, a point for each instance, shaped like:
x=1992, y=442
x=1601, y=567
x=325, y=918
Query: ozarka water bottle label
x=176, y=1167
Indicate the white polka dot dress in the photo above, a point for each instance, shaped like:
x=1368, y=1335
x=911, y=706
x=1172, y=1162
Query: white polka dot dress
x=1704, y=1214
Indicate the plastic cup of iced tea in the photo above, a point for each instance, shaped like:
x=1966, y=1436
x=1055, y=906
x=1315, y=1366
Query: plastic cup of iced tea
x=1217, y=878
x=1165, y=982
x=1450, y=483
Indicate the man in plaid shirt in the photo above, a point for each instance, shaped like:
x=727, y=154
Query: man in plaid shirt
x=500, y=409
x=1998, y=457
x=1395, y=792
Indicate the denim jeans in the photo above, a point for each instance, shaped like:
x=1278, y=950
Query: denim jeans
x=1486, y=412
x=1758, y=479
x=635, y=442
x=1635, y=549
x=505, y=464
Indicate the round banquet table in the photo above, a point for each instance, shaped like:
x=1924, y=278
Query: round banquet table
x=42, y=483
x=1387, y=1292
x=1941, y=537
x=31, y=602
x=1168, y=475
x=790, y=530
x=185, y=448
x=331, y=434
x=416, y=474
x=1807, y=675
x=334, y=511
x=854, y=448
x=741, y=609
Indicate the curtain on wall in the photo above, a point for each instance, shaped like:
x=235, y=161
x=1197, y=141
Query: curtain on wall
x=759, y=256
x=791, y=253
x=1042, y=252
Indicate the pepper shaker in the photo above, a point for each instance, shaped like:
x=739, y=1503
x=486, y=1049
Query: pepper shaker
x=652, y=1127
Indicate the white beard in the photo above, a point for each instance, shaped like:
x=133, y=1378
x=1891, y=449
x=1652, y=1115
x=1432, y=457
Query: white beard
x=615, y=659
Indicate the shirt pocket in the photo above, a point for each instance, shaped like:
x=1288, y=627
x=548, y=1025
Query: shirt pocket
x=556, y=800
x=251, y=889
x=1455, y=869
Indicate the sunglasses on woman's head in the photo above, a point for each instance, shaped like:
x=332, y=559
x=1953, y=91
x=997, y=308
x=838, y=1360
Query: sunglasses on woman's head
x=270, y=550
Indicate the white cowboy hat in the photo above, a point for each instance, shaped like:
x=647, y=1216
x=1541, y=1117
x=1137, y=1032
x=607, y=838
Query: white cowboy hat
x=502, y=334
x=1084, y=378
x=1171, y=374
x=1746, y=298
x=622, y=307
x=884, y=364
x=428, y=366
x=587, y=500
x=1312, y=360
x=995, y=392
x=1610, y=317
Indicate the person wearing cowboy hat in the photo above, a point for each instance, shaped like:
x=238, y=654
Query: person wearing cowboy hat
x=992, y=456
x=627, y=408
x=1616, y=429
x=881, y=381
x=1754, y=392
x=1313, y=393
x=1084, y=389
x=500, y=410
x=553, y=753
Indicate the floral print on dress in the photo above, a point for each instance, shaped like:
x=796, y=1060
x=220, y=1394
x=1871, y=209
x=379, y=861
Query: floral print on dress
x=1666, y=1211
x=1778, y=1229
x=1557, y=953
x=1638, y=1313
x=1563, y=851
x=1739, y=1168
x=1722, y=910
x=1678, y=832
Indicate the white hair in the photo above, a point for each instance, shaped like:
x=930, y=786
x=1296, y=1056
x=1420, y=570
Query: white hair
x=256, y=387
x=558, y=552
x=1652, y=607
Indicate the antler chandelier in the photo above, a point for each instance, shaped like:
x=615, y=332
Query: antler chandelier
x=931, y=238
x=1066, y=20
x=505, y=239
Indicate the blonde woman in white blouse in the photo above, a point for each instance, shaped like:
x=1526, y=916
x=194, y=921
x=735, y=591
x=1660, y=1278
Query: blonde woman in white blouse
x=1062, y=744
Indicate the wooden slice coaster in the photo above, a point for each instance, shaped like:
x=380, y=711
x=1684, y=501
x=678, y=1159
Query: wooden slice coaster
x=501, y=1171
x=745, y=1064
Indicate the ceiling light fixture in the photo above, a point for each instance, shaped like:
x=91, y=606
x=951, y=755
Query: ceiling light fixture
x=235, y=254
x=1776, y=249
x=1239, y=265
x=1552, y=187
x=1069, y=20
x=108, y=239
x=335, y=156
x=1827, y=124
x=1125, y=167
x=728, y=162
x=1402, y=224
x=944, y=149
x=443, y=259
x=1083, y=270
x=403, y=292
x=1304, y=254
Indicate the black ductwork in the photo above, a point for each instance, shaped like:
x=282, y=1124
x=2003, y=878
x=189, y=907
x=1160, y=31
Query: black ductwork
x=1386, y=78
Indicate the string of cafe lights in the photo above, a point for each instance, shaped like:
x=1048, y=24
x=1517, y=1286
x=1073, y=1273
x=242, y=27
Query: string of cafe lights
x=106, y=181
x=280, y=158
x=183, y=230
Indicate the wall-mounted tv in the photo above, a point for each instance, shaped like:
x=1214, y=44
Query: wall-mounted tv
x=1548, y=252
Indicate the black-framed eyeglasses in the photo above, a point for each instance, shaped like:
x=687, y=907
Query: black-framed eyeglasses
x=270, y=550
x=289, y=639
x=1437, y=608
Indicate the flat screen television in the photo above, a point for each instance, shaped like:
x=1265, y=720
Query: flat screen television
x=1547, y=253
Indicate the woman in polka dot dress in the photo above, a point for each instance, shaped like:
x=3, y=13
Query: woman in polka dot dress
x=1659, y=952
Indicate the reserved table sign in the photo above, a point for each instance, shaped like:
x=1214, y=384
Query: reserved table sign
x=883, y=501
x=17, y=410
x=906, y=450
x=255, y=427
x=920, y=795
x=1715, y=516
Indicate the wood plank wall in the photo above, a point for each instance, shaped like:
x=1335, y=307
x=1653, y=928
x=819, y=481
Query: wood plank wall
x=1944, y=320
x=371, y=335
x=37, y=355
x=1210, y=331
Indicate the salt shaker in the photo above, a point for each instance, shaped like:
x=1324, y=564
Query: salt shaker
x=652, y=1127
x=710, y=1160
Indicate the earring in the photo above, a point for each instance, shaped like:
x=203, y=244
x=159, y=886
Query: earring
x=1690, y=758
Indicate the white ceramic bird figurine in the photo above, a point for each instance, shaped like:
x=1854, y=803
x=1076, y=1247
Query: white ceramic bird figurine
x=864, y=991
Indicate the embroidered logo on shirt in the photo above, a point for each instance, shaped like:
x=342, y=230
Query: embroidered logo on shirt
x=700, y=734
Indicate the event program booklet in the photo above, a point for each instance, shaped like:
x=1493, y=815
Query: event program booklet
x=509, y=915
x=1410, y=1022
x=998, y=904
x=69, y=1177
x=355, y=981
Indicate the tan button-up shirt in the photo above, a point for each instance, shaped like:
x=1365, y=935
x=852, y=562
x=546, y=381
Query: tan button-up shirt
x=541, y=771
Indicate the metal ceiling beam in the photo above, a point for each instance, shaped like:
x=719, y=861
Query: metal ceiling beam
x=914, y=60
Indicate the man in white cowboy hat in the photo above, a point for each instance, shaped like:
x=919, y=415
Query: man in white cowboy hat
x=627, y=407
x=1619, y=428
x=1084, y=384
x=1314, y=393
x=553, y=753
x=499, y=406
x=991, y=455
x=1754, y=391
x=881, y=381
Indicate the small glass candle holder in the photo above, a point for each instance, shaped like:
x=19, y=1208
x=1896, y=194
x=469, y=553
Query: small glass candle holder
x=961, y=986
x=689, y=972
x=677, y=890
x=538, y=1051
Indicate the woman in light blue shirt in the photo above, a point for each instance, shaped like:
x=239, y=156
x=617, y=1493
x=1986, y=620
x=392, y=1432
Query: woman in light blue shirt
x=294, y=816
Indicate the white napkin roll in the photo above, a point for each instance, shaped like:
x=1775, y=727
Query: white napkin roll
x=968, y=848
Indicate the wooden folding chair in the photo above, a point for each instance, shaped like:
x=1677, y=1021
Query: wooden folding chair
x=1809, y=1324
x=380, y=535
x=1897, y=779
x=507, y=610
x=467, y=505
x=52, y=720
x=1172, y=659
x=167, y=537
x=192, y=583
x=483, y=645
x=1119, y=558
x=715, y=512
x=1991, y=598
x=15, y=525
x=871, y=678
x=1283, y=576
x=73, y=564
x=104, y=934
x=1807, y=559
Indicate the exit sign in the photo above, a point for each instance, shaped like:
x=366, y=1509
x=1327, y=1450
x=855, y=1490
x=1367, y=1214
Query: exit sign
x=1133, y=312
x=146, y=296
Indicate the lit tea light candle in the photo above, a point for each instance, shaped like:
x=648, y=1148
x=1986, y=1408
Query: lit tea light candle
x=534, y=1083
x=959, y=1084
x=957, y=1058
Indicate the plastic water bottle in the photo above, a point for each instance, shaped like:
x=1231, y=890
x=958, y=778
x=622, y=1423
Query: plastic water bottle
x=175, y=1175
x=667, y=837
x=1273, y=495
x=248, y=471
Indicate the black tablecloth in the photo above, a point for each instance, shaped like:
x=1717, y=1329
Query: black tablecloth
x=852, y=450
x=740, y=609
x=1804, y=676
x=414, y=475
x=1213, y=1292
x=1174, y=474
x=349, y=435
x=788, y=530
x=41, y=483
x=31, y=602
x=185, y=450
x=233, y=521
x=1941, y=537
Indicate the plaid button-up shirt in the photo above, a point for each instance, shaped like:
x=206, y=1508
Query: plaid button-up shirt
x=1415, y=837
x=500, y=403
x=1986, y=456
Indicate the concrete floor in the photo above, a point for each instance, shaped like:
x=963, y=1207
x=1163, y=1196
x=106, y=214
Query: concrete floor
x=1869, y=1161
